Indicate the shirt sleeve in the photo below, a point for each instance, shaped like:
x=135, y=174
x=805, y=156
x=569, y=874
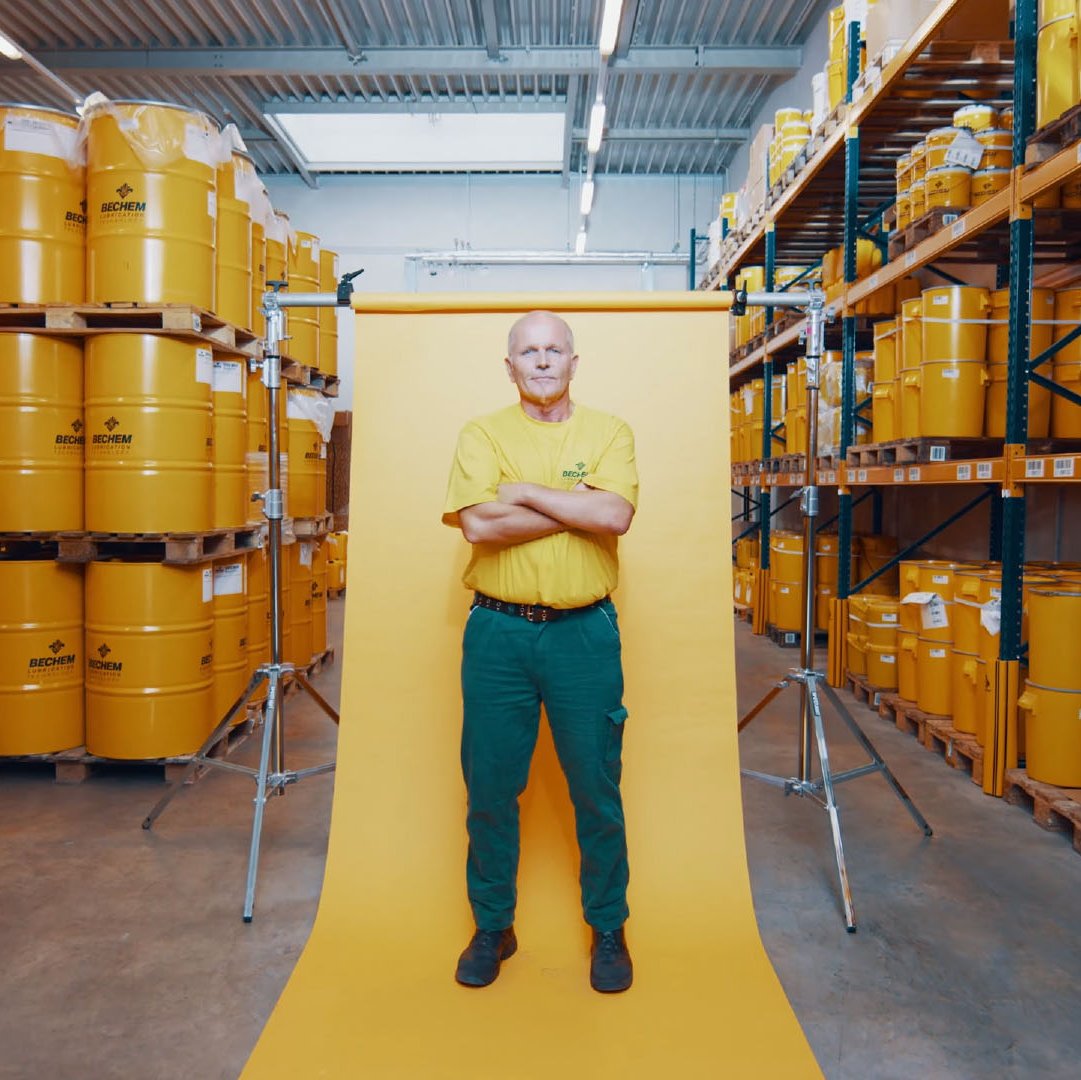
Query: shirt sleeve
x=474, y=473
x=616, y=471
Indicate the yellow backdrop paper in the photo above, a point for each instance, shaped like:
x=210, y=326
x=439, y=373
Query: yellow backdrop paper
x=373, y=994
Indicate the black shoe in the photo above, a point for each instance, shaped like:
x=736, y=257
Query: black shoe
x=479, y=964
x=610, y=969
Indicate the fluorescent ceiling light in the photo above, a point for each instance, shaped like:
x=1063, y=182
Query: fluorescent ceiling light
x=8, y=49
x=425, y=142
x=610, y=26
x=580, y=242
x=587, y=198
x=596, y=127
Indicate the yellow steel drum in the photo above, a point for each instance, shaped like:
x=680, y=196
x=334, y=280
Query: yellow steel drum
x=857, y=636
x=319, y=597
x=966, y=692
x=233, y=262
x=826, y=556
x=42, y=207
x=903, y=172
x=41, y=656
x=882, y=616
x=256, y=461
x=328, y=316
x=149, y=434
x=786, y=555
x=986, y=183
x=1055, y=635
x=1065, y=416
x=257, y=598
x=917, y=194
x=955, y=323
x=933, y=678
x=300, y=613
x=952, y=398
x=965, y=614
x=948, y=186
x=908, y=685
x=907, y=402
x=885, y=371
x=230, y=635
x=824, y=595
x=150, y=658
x=1056, y=60
x=41, y=433
x=975, y=117
x=258, y=278
x=998, y=346
x=882, y=666
x=307, y=461
x=1052, y=734
x=151, y=191
x=787, y=603
x=304, y=278
x=277, y=231
x=230, y=443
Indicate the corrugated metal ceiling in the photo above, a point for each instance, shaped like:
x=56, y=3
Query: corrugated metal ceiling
x=663, y=117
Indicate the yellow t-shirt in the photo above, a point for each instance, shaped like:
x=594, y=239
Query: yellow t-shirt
x=568, y=569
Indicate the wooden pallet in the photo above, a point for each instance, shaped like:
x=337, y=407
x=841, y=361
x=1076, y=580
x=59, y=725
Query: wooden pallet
x=174, y=549
x=78, y=764
x=309, y=528
x=787, y=463
x=958, y=749
x=790, y=639
x=923, y=451
x=1053, y=808
x=932, y=222
x=299, y=374
x=335, y=594
x=87, y=320
x=875, y=66
x=743, y=612
x=1051, y=138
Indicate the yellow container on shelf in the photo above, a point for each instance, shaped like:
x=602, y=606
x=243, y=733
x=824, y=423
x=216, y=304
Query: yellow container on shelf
x=1052, y=734
x=328, y=316
x=908, y=685
x=152, y=204
x=987, y=183
x=911, y=353
x=787, y=116
x=997, y=146
x=882, y=666
x=883, y=412
x=903, y=172
x=230, y=400
x=917, y=194
x=904, y=210
x=837, y=82
x=857, y=636
x=965, y=613
x=934, y=682
x=1056, y=60
x=966, y=692
x=786, y=605
x=952, y=398
x=42, y=207
x=1005, y=118
x=232, y=262
x=975, y=117
x=41, y=433
x=885, y=350
x=308, y=458
x=918, y=158
x=1065, y=416
x=257, y=602
x=998, y=345
x=300, y=615
x=41, y=656
x=882, y=617
x=826, y=556
x=948, y=186
x=304, y=276
x=149, y=434
x=824, y=595
x=954, y=323
x=230, y=666
x=1055, y=635
x=258, y=278
x=319, y=597
x=150, y=658
x=938, y=142
x=786, y=555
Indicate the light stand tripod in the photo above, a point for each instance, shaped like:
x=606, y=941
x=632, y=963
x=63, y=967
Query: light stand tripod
x=271, y=777
x=822, y=789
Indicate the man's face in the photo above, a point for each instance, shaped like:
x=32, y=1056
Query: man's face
x=542, y=360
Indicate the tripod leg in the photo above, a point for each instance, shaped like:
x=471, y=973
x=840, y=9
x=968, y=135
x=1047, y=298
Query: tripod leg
x=316, y=696
x=876, y=757
x=211, y=740
x=272, y=706
x=831, y=805
x=782, y=685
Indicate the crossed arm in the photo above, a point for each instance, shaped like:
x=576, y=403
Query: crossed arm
x=527, y=511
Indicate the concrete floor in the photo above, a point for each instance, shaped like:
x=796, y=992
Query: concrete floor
x=124, y=954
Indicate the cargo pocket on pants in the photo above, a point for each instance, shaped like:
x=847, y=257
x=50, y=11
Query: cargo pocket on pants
x=616, y=724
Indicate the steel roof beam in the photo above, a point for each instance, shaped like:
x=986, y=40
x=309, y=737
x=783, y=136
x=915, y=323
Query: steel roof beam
x=626, y=28
x=430, y=62
x=659, y=134
x=491, y=28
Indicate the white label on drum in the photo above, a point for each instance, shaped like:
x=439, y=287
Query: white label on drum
x=937, y=654
x=208, y=584
x=965, y=150
x=197, y=144
x=940, y=299
x=323, y=450
x=951, y=373
x=940, y=579
x=910, y=259
x=229, y=579
x=935, y=615
x=29, y=135
x=991, y=617
x=315, y=250
x=204, y=366
x=889, y=616
x=305, y=553
x=886, y=658
x=228, y=377
x=212, y=204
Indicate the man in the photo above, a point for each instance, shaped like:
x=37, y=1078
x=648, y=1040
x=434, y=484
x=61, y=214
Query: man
x=542, y=490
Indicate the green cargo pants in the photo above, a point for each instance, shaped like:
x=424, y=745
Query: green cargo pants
x=511, y=666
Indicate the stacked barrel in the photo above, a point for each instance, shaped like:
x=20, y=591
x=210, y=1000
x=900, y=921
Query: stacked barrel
x=140, y=204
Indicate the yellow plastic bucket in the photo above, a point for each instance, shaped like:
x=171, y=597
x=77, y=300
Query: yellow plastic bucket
x=933, y=680
x=41, y=656
x=308, y=460
x=948, y=186
x=908, y=672
x=918, y=158
x=230, y=667
x=952, y=398
x=150, y=657
x=787, y=116
x=882, y=666
x=904, y=210
x=149, y=434
x=304, y=278
x=909, y=382
x=987, y=183
x=856, y=636
x=938, y=142
x=1052, y=734
x=838, y=84
x=903, y=172
x=917, y=193
x=328, y=316
x=41, y=433
x=42, y=207
x=990, y=599
x=300, y=587
x=954, y=324
x=997, y=146
x=1056, y=60
x=1055, y=636
x=966, y=692
x=152, y=198
x=319, y=598
x=230, y=399
x=998, y=338
x=975, y=117
x=882, y=413
x=883, y=621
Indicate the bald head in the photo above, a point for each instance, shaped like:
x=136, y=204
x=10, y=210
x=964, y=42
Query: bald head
x=546, y=320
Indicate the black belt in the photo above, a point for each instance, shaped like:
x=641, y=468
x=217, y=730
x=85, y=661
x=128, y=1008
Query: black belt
x=530, y=612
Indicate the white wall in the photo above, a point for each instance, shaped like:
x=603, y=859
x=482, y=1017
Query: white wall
x=375, y=221
x=794, y=92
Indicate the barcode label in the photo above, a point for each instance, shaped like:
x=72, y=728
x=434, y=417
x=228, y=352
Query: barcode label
x=914, y=473
x=958, y=228
x=983, y=470
x=1034, y=467
x=1064, y=466
x=862, y=476
x=910, y=259
x=898, y=476
x=964, y=472
x=938, y=453
x=850, y=475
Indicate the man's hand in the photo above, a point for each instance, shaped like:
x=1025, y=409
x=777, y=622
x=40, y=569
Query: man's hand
x=584, y=508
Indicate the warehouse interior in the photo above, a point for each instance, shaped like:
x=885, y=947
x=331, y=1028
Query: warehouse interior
x=884, y=197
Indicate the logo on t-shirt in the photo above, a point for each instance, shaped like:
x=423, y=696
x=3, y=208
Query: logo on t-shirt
x=579, y=472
